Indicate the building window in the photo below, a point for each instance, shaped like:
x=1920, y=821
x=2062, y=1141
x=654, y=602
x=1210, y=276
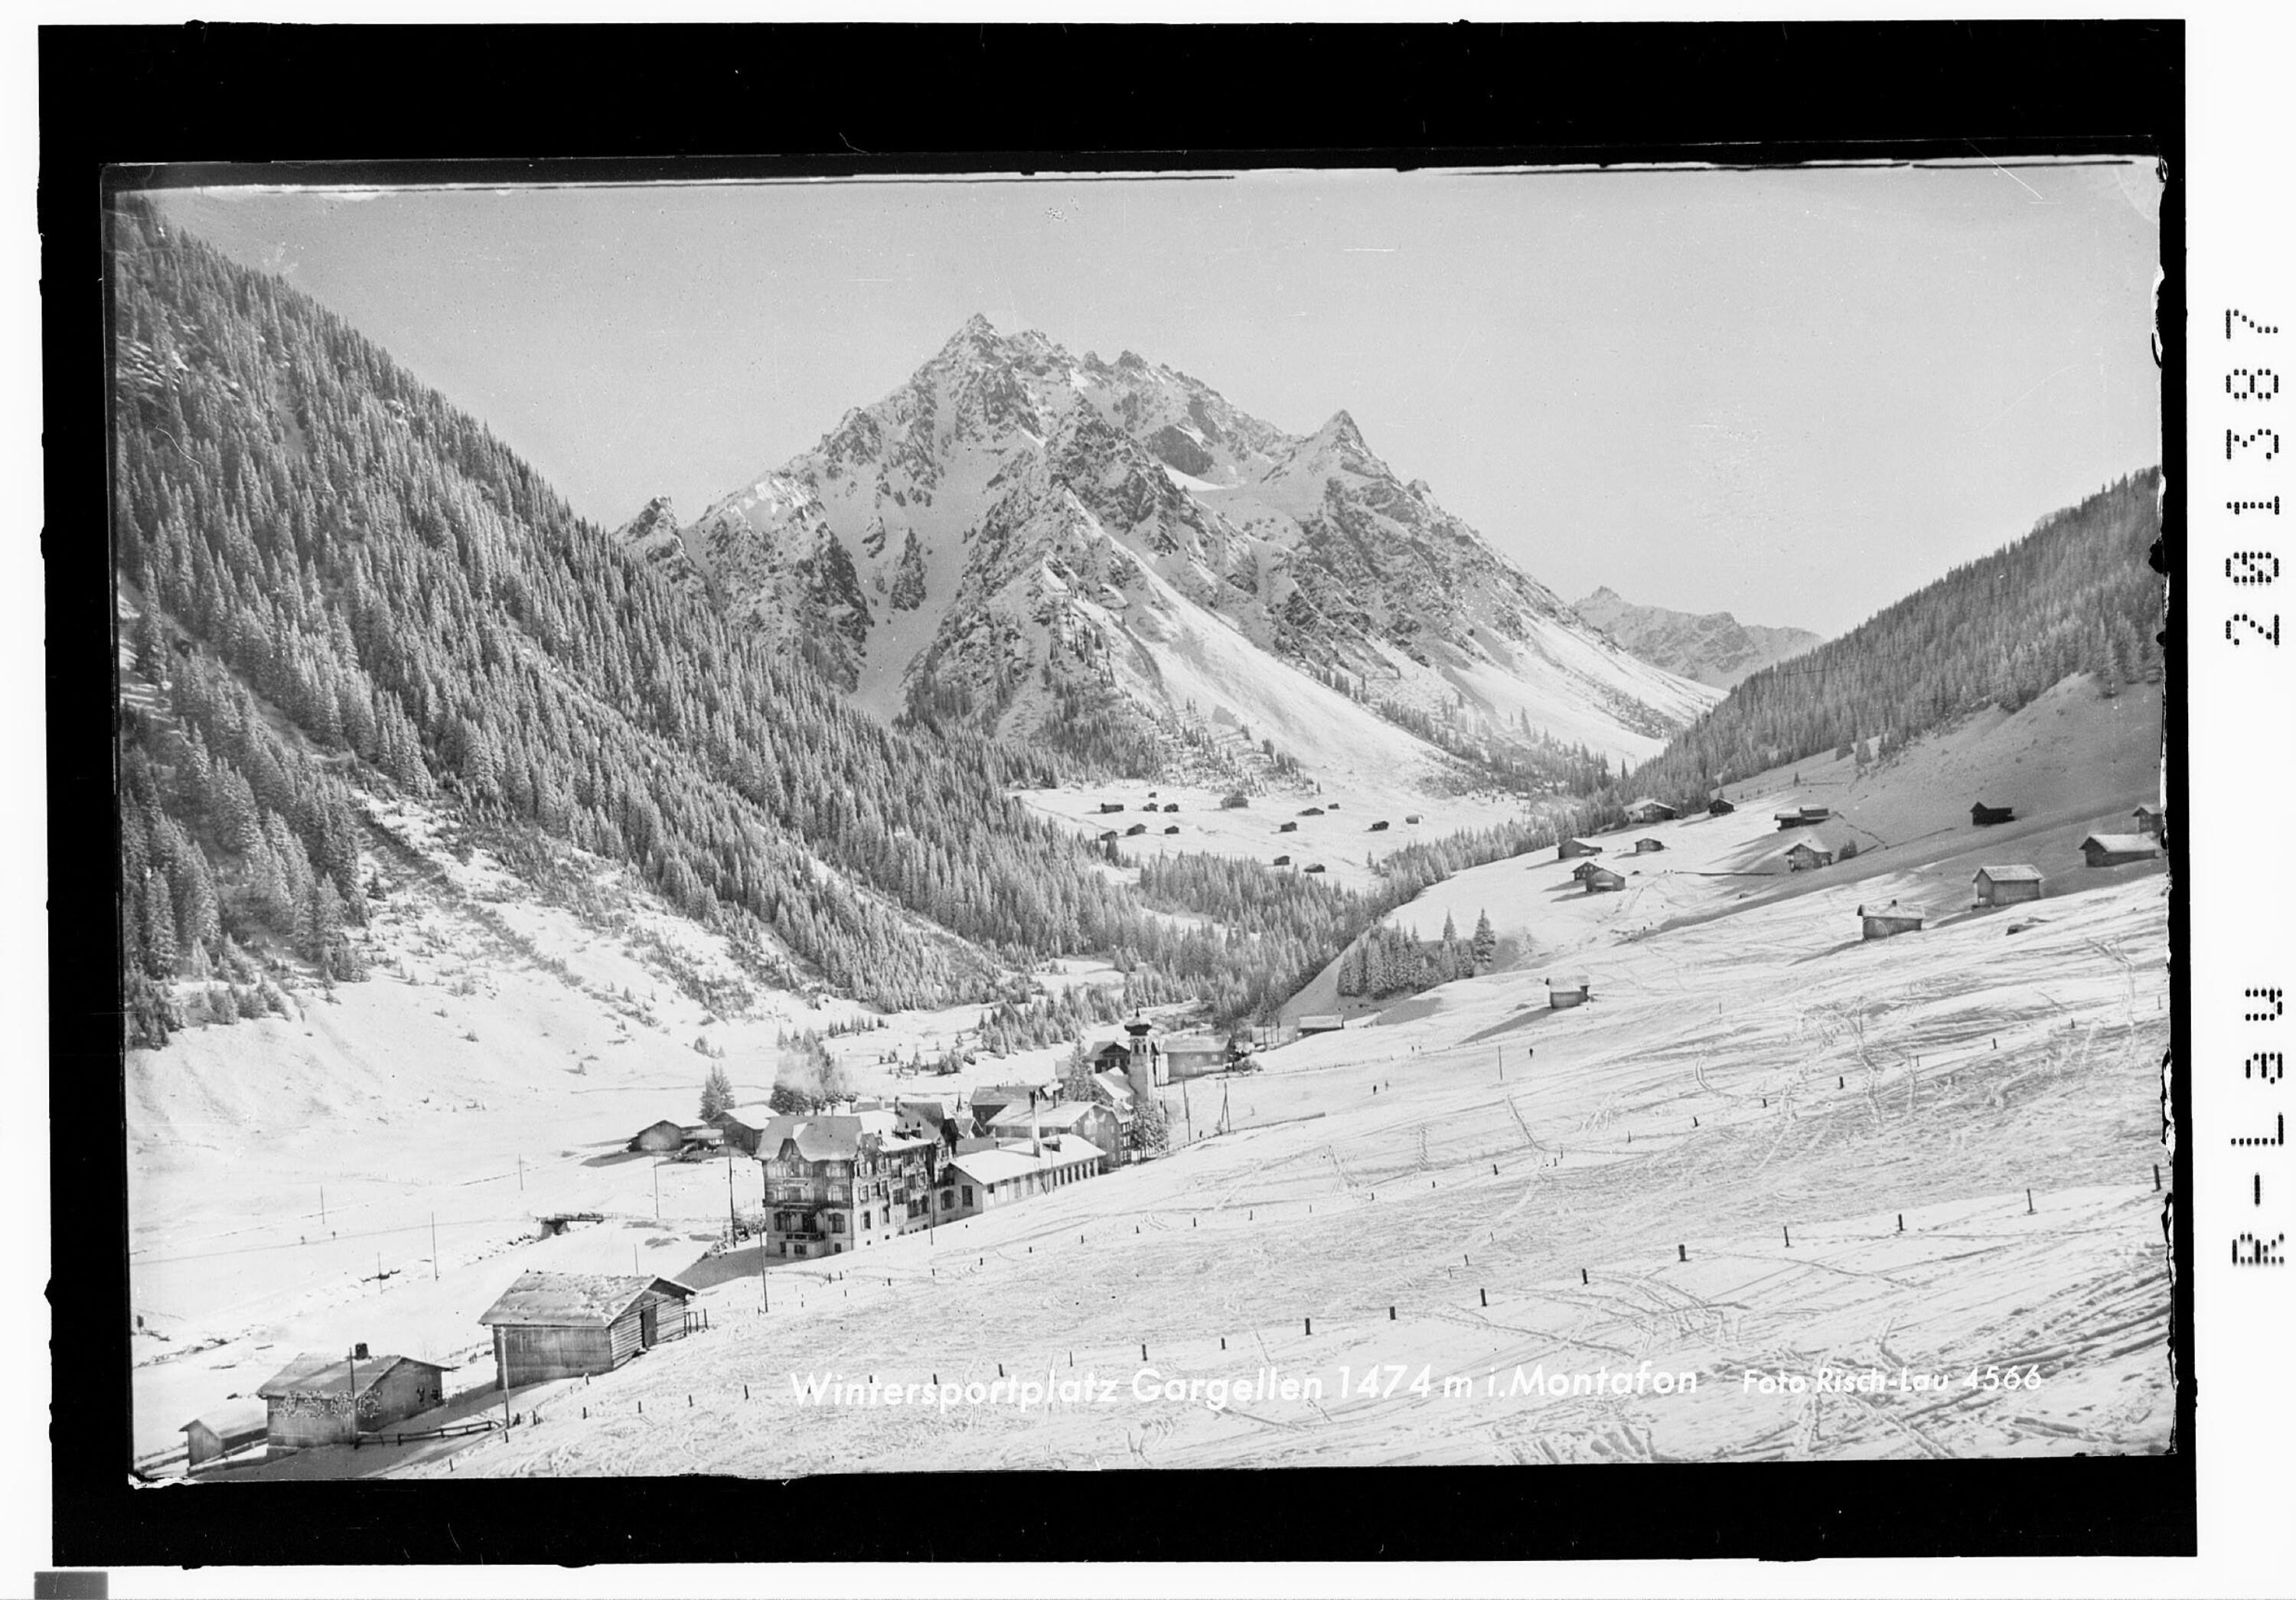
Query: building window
x=836, y=1224
x=968, y=1193
x=865, y=1219
x=801, y=1250
x=947, y=1199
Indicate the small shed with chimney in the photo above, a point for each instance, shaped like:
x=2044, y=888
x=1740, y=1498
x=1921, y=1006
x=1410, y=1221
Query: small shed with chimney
x=1885, y=921
x=328, y=1399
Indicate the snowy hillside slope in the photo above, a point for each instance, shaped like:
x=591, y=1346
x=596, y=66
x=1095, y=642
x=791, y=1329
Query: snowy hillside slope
x=1011, y=537
x=1714, y=648
x=1761, y=1151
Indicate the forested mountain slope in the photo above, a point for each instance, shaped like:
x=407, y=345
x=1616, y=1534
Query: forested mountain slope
x=2077, y=593
x=337, y=582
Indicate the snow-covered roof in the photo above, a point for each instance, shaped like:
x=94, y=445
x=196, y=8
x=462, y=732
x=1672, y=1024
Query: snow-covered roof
x=1119, y=1087
x=2008, y=874
x=1008, y=1162
x=1195, y=1043
x=1056, y=1117
x=2117, y=843
x=1911, y=913
x=332, y=1374
x=232, y=1418
x=1810, y=843
x=572, y=1300
x=1569, y=980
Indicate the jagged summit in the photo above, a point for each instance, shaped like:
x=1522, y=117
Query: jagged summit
x=1020, y=537
x=1714, y=648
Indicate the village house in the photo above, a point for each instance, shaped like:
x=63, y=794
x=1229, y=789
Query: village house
x=1566, y=990
x=567, y=1325
x=1114, y=1091
x=1649, y=846
x=1569, y=848
x=329, y=1399
x=2152, y=820
x=920, y=1119
x=837, y=1183
x=1195, y=1055
x=233, y=1425
x=1602, y=879
x=736, y=1134
x=982, y=1180
x=1086, y=1120
x=1883, y=922
x=1982, y=815
x=2118, y=850
x=2003, y=885
x=1648, y=810
x=1804, y=854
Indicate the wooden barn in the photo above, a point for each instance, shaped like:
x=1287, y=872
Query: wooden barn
x=1568, y=989
x=1883, y=922
x=1576, y=847
x=1197, y=1055
x=2118, y=850
x=1109, y=807
x=1804, y=854
x=1649, y=846
x=1171, y=805
x=1982, y=815
x=1173, y=829
x=1322, y=1022
x=1379, y=827
x=1136, y=830
x=327, y=1400
x=1602, y=879
x=1412, y=818
x=1718, y=807
x=737, y=1134
x=1801, y=817
x=565, y=1325
x=1287, y=827
x=1647, y=810
x=1313, y=811
x=662, y=1139
x=2004, y=885
x=1281, y=861
x=2152, y=820
x=232, y=1425
x=1314, y=866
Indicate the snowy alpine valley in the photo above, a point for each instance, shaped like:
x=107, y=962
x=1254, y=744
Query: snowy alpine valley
x=1066, y=925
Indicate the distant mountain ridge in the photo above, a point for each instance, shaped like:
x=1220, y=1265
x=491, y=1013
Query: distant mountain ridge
x=1089, y=553
x=1714, y=648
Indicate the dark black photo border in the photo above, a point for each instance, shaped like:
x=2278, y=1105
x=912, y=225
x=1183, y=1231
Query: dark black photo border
x=133, y=107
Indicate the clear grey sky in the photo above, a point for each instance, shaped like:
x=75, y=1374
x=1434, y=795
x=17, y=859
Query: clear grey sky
x=1793, y=394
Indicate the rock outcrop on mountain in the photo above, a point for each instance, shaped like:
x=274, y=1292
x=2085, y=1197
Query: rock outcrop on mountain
x=1037, y=543
x=1716, y=648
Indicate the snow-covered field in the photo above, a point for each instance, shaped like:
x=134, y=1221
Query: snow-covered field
x=1705, y=1170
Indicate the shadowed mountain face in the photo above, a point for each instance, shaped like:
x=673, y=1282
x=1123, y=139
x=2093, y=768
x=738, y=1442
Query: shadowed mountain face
x=1716, y=648
x=1036, y=542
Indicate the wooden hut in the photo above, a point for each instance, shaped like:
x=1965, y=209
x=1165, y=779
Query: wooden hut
x=1718, y=807
x=1884, y=922
x=1801, y=817
x=1313, y=811
x=1649, y=846
x=1576, y=847
x=1648, y=810
x=1412, y=817
x=738, y=1135
x=1283, y=861
x=1982, y=815
x=1171, y=805
x=565, y=1325
x=2152, y=820
x=2118, y=850
x=1379, y=827
x=1109, y=807
x=1568, y=989
x=1602, y=879
x=664, y=1137
x=2003, y=885
x=1287, y=827
x=1173, y=829
x=1314, y=866
x=327, y=1400
x=232, y=1425
x=1804, y=854
x=1322, y=1023
x=1136, y=830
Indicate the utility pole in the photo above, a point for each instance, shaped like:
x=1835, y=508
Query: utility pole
x=323, y=1206
x=521, y=1175
x=1185, y=1113
x=657, y=1189
x=354, y=1360
x=434, y=1247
